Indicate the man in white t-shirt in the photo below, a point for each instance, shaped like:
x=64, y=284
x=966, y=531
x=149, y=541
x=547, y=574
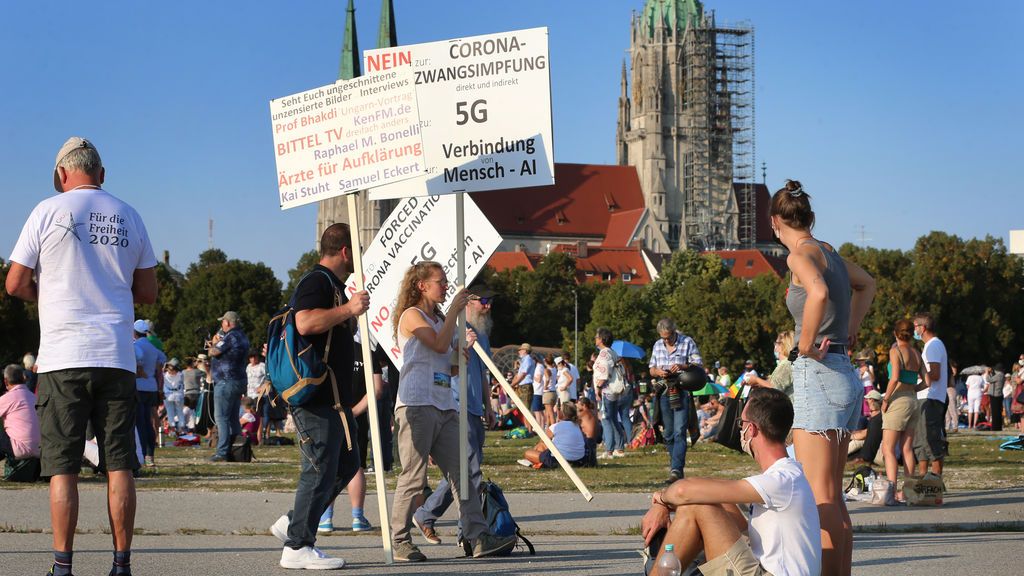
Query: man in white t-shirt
x=930, y=439
x=705, y=514
x=85, y=256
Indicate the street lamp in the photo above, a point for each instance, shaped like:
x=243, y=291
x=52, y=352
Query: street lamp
x=576, y=328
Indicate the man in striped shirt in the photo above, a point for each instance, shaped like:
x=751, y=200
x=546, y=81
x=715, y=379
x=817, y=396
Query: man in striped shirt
x=672, y=353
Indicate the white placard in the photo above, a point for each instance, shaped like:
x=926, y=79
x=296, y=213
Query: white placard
x=485, y=109
x=346, y=136
x=419, y=229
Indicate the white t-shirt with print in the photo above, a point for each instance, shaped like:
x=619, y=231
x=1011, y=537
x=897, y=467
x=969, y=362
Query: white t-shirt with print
x=935, y=351
x=85, y=246
x=785, y=533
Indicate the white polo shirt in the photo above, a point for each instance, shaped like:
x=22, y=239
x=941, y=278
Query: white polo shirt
x=85, y=246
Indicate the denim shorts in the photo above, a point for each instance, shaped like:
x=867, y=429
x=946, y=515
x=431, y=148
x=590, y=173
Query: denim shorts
x=826, y=395
x=537, y=405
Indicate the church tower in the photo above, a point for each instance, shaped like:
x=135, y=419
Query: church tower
x=371, y=214
x=678, y=119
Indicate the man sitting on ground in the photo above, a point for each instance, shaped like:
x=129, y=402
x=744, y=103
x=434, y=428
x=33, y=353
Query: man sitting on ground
x=713, y=411
x=701, y=513
x=566, y=436
x=864, y=443
x=19, y=435
x=590, y=426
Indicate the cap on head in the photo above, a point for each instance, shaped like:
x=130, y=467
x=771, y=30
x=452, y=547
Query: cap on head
x=230, y=316
x=749, y=363
x=480, y=290
x=141, y=326
x=526, y=346
x=73, y=143
x=174, y=362
x=558, y=360
x=202, y=358
x=874, y=395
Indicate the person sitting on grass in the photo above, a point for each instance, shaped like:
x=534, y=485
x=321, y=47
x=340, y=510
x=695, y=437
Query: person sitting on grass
x=249, y=421
x=566, y=436
x=704, y=514
x=590, y=426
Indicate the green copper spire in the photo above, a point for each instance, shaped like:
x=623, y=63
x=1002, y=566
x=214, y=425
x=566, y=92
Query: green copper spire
x=387, y=36
x=350, y=65
x=674, y=14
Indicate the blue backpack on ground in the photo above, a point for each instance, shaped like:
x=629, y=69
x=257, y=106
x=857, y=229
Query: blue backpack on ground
x=497, y=516
x=294, y=366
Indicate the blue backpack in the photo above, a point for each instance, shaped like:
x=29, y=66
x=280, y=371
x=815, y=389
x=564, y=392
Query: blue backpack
x=294, y=366
x=497, y=516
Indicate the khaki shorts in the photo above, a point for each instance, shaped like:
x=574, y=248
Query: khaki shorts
x=902, y=413
x=68, y=400
x=739, y=560
x=549, y=398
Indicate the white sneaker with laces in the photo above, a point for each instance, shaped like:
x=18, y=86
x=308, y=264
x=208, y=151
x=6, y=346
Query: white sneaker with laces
x=280, y=528
x=524, y=462
x=309, y=558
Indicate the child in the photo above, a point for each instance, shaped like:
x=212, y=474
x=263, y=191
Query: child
x=566, y=436
x=250, y=422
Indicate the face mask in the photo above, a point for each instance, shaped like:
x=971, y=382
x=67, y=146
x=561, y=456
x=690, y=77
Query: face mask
x=917, y=336
x=745, y=442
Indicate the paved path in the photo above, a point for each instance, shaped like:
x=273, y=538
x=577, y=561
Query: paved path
x=226, y=533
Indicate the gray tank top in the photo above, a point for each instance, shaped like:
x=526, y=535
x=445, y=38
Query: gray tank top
x=835, y=324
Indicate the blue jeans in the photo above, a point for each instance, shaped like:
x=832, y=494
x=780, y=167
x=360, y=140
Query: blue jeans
x=674, y=422
x=617, y=426
x=327, y=466
x=144, y=422
x=441, y=498
x=227, y=399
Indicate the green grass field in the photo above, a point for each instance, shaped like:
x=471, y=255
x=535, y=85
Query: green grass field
x=975, y=463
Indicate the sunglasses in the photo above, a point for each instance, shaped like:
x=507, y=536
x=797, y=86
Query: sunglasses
x=483, y=300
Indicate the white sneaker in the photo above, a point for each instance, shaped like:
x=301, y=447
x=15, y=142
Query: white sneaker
x=309, y=558
x=280, y=528
x=618, y=454
x=524, y=462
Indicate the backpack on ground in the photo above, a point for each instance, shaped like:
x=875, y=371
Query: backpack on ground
x=862, y=478
x=23, y=470
x=241, y=449
x=517, y=433
x=497, y=515
x=278, y=441
x=294, y=366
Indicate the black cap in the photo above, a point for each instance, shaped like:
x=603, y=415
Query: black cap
x=480, y=290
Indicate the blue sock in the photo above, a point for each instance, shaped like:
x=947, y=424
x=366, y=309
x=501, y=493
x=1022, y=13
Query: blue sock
x=62, y=563
x=357, y=512
x=122, y=562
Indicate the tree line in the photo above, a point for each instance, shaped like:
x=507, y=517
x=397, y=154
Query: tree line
x=974, y=288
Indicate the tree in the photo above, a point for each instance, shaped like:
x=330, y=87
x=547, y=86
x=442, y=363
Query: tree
x=624, y=311
x=305, y=263
x=534, y=306
x=162, y=312
x=212, y=288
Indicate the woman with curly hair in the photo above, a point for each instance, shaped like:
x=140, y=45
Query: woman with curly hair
x=426, y=414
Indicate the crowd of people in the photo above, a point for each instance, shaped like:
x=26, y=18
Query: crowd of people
x=116, y=394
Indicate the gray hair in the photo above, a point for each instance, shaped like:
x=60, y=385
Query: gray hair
x=84, y=159
x=28, y=360
x=666, y=325
x=14, y=374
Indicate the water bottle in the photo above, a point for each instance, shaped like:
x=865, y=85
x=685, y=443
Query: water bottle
x=668, y=564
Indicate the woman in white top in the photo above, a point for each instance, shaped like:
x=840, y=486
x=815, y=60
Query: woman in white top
x=425, y=414
x=174, y=396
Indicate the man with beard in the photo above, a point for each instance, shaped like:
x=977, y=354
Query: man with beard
x=326, y=427
x=478, y=390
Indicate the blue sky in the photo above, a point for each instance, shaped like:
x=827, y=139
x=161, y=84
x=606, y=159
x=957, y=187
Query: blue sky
x=902, y=117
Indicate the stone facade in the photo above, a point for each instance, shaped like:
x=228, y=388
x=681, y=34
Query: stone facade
x=675, y=126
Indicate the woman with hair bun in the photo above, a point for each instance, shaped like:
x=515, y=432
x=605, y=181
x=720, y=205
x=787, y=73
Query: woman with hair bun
x=828, y=298
x=899, y=406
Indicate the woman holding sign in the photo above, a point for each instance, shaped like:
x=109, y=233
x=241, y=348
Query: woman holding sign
x=426, y=414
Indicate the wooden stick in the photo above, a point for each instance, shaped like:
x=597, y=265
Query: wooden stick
x=371, y=393
x=460, y=251
x=533, y=422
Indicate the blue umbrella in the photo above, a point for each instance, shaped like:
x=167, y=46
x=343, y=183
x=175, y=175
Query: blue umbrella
x=627, y=349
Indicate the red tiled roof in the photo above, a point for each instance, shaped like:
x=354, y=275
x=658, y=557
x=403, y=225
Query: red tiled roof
x=502, y=261
x=580, y=203
x=747, y=264
x=621, y=226
x=614, y=261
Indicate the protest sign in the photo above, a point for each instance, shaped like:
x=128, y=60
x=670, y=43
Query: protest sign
x=419, y=229
x=485, y=112
x=346, y=136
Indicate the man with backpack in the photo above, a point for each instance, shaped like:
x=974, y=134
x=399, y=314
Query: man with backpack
x=326, y=429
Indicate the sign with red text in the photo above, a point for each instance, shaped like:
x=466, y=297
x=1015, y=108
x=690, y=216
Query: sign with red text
x=419, y=229
x=346, y=136
x=485, y=110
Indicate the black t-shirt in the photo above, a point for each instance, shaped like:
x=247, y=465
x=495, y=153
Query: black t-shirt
x=358, y=384
x=317, y=291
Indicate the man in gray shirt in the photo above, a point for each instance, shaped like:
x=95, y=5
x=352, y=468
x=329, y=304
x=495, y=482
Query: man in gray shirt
x=995, y=377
